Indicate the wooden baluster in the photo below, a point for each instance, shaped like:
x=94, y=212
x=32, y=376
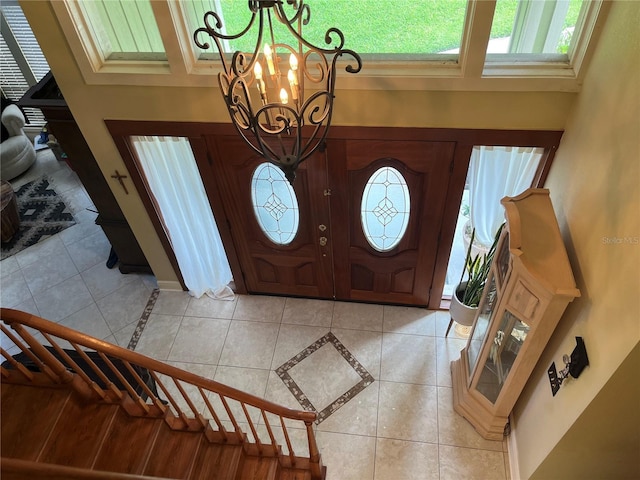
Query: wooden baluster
x=193, y=408
x=292, y=454
x=252, y=427
x=156, y=401
x=53, y=367
x=213, y=413
x=128, y=387
x=29, y=353
x=314, y=453
x=98, y=371
x=16, y=365
x=170, y=398
x=76, y=368
x=234, y=422
x=269, y=431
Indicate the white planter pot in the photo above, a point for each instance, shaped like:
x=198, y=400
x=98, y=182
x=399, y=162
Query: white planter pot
x=461, y=313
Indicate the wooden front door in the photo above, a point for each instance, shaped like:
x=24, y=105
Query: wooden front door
x=330, y=255
x=301, y=266
x=363, y=270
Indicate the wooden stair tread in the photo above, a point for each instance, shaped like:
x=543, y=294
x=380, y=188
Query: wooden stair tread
x=78, y=434
x=258, y=468
x=294, y=474
x=173, y=453
x=216, y=461
x=40, y=406
x=128, y=444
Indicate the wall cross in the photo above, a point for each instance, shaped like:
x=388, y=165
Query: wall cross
x=118, y=176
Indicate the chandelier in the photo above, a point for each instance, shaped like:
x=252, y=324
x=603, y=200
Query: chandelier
x=280, y=96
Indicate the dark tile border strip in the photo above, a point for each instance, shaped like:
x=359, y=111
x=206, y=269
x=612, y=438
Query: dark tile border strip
x=296, y=391
x=142, y=323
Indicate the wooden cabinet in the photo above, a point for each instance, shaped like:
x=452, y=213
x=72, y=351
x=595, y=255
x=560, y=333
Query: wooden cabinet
x=528, y=289
x=47, y=97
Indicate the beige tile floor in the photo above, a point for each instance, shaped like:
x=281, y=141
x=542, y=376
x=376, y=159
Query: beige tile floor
x=402, y=426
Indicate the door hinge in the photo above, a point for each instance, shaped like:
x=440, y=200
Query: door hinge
x=209, y=159
x=451, y=167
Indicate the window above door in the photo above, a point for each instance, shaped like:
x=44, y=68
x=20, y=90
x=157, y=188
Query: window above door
x=515, y=45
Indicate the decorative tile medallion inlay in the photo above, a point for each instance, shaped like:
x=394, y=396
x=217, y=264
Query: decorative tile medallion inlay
x=144, y=318
x=303, y=399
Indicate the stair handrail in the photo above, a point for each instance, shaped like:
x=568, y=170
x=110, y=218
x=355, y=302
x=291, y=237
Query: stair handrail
x=18, y=468
x=17, y=320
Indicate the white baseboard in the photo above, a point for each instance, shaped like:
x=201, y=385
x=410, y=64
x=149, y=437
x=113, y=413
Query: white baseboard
x=514, y=470
x=170, y=285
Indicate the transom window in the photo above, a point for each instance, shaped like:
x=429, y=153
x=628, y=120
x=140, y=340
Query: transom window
x=119, y=29
x=529, y=28
x=401, y=40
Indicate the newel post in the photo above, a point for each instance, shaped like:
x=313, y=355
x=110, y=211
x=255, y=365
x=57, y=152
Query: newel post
x=314, y=454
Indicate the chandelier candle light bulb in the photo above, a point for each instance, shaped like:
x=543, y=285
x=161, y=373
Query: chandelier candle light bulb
x=293, y=63
x=284, y=98
x=268, y=54
x=292, y=83
x=257, y=71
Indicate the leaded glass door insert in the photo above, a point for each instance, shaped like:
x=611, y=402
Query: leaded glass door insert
x=275, y=204
x=385, y=209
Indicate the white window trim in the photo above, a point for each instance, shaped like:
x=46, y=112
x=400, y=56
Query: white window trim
x=88, y=54
x=581, y=48
x=471, y=70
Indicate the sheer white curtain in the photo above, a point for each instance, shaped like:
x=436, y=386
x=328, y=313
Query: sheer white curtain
x=496, y=172
x=173, y=177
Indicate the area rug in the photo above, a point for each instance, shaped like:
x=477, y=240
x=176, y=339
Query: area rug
x=42, y=214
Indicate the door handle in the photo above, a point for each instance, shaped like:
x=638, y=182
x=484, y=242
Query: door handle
x=323, y=241
x=322, y=227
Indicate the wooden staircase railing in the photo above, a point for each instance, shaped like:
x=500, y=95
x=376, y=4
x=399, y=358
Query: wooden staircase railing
x=99, y=371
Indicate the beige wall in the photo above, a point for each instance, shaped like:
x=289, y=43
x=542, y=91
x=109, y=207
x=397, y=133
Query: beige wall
x=594, y=186
x=603, y=443
x=92, y=104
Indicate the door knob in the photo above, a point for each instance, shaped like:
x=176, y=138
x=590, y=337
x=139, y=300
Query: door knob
x=323, y=241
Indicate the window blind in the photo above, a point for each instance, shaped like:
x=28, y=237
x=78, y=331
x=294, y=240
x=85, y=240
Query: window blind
x=22, y=63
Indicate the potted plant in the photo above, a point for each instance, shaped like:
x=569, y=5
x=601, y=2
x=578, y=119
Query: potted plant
x=467, y=294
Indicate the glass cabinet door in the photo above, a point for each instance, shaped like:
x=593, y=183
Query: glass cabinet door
x=503, y=352
x=487, y=304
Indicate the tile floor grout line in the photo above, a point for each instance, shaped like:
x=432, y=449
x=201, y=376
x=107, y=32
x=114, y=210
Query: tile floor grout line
x=142, y=323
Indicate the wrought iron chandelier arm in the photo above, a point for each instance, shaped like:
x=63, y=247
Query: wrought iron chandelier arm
x=215, y=31
x=349, y=68
x=301, y=8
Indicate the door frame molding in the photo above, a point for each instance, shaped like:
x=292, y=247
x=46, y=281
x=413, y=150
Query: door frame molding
x=465, y=139
x=121, y=130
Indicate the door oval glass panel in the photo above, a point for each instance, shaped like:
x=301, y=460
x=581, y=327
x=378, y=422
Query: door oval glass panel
x=385, y=209
x=275, y=204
